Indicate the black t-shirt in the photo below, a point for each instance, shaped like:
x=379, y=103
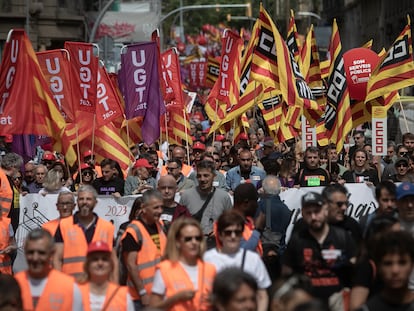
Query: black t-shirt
x=366, y=276
x=326, y=264
x=367, y=175
x=377, y=303
x=107, y=187
x=89, y=232
x=307, y=177
x=130, y=245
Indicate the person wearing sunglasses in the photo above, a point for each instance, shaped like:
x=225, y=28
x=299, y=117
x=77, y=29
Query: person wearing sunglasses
x=403, y=172
x=183, y=281
x=228, y=253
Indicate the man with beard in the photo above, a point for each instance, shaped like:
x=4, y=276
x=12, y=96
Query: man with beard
x=245, y=172
x=311, y=174
x=74, y=233
x=205, y=202
x=42, y=287
x=322, y=252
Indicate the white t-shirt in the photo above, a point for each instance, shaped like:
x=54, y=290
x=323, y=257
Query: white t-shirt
x=158, y=286
x=38, y=285
x=96, y=302
x=253, y=264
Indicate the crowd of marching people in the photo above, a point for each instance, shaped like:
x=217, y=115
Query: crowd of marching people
x=208, y=230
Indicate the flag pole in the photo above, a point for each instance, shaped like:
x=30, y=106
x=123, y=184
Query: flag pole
x=403, y=113
x=77, y=147
x=93, y=135
x=186, y=138
x=166, y=136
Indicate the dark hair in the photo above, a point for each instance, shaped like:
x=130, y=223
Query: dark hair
x=227, y=283
x=312, y=149
x=245, y=192
x=314, y=305
x=136, y=206
x=11, y=295
x=407, y=135
x=331, y=189
x=387, y=185
x=380, y=224
x=205, y=164
x=229, y=218
x=176, y=160
x=399, y=242
x=109, y=162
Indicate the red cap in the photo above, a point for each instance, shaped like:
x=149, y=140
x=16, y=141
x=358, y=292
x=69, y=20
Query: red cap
x=243, y=136
x=199, y=146
x=98, y=246
x=220, y=137
x=85, y=166
x=87, y=153
x=142, y=163
x=49, y=157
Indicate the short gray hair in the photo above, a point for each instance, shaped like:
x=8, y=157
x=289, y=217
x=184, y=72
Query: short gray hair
x=11, y=160
x=271, y=185
x=88, y=188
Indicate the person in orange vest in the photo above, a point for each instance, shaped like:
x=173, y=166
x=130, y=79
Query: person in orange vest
x=65, y=206
x=7, y=245
x=98, y=292
x=74, y=233
x=245, y=203
x=42, y=287
x=183, y=281
x=10, y=166
x=143, y=244
x=179, y=152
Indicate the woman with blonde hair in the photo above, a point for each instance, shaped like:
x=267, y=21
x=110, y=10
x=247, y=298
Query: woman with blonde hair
x=53, y=183
x=183, y=281
x=98, y=293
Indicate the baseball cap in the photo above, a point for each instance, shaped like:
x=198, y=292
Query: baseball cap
x=405, y=189
x=199, y=146
x=142, y=163
x=87, y=153
x=243, y=136
x=400, y=160
x=98, y=246
x=312, y=198
x=220, y=137
x=48, y=157
x=85, y=166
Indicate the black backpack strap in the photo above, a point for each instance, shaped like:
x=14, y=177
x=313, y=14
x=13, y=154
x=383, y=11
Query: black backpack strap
x=200, y=213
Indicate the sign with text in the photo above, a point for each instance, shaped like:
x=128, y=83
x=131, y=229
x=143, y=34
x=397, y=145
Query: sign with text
x=379, y=130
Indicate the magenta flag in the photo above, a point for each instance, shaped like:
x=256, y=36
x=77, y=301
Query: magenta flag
x=140, y=85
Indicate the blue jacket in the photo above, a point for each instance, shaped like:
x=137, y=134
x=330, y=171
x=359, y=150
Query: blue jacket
x=233, y=177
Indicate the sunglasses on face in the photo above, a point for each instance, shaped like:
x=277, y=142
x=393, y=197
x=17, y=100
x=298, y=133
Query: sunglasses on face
x=341, y=203
x=198, y=238
x=403, y=153
x=402, y=165
x=87, y=173
x=237, y=232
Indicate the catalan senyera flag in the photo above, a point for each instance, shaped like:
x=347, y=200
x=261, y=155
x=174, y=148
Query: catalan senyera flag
x=395, y=69
x=312, y=73
x=180, y=124
x=213, y=70
x=250, y=91
x=240, y=125
x=325, y=65
x=226, y=90
x=294, y=90
x=109, y=144
x=338, y=117
x=27, y=106
x=292, y=40
x=271, y=108
x=55, y=67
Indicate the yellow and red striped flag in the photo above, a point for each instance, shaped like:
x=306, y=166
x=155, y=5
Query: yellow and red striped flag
x=338, y=117
x=226, y=90
x=213, y=70
x=395, y=69
x=292, y=40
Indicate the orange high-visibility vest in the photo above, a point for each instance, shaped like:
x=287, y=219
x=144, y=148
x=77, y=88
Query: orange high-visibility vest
x=75, y=245
x=5, y=260
x=6, y=194
x=186, y=170
x=118, y=301
x=51, y=226
x=57, y=294
x=176, y=279
x=148, y=257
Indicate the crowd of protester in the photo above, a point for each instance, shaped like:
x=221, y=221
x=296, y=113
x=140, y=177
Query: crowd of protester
x=208, y=230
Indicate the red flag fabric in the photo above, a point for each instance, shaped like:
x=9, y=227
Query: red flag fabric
x=172, y=77
x=55, y=67
x=198, y=71
x=108, y=106
x=84, y=75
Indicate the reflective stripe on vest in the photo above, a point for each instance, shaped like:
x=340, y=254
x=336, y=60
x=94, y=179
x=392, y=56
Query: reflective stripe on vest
x=74, y=259
x=148, y=256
